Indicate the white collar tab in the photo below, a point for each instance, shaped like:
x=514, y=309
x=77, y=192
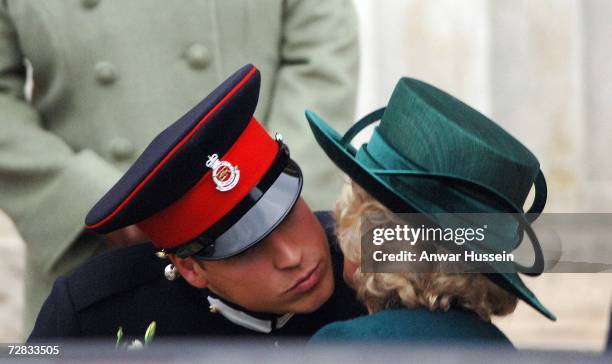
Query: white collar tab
x=243, y=319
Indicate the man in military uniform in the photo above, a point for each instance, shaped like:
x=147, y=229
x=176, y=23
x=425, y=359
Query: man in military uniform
x=221, y=199
x=109, y=74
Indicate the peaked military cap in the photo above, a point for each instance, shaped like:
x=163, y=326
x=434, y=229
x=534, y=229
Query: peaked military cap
x=212, y=184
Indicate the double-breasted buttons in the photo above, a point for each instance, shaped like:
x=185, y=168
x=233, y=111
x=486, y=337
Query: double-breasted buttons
x=198, y=56
x=121, y=148
x=106, y=73
x=90, y=4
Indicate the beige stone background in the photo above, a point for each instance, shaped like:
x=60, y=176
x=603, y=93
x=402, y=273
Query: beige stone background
x=539, y=68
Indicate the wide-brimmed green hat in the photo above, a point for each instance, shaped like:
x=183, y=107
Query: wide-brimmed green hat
x=433, y=154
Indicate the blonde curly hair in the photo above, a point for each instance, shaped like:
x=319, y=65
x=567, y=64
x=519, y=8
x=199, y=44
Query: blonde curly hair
x=434, y=291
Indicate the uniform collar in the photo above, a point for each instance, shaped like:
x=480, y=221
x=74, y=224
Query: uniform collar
x=264, y=323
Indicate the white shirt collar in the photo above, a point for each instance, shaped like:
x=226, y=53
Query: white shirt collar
x=245, y=320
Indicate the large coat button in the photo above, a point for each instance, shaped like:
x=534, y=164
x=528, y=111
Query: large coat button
x=106, y=73
x=198, y=56
x=121, y=148
x=90, y=4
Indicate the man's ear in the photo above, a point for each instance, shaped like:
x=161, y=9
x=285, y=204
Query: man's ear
x=191, y=270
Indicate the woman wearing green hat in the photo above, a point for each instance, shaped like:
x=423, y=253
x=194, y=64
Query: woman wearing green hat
x=432, y=154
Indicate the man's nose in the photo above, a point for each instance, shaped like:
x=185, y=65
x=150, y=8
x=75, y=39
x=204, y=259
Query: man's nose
x=286, y=252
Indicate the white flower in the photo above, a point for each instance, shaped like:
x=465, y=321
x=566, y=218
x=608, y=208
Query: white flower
x=135, y=345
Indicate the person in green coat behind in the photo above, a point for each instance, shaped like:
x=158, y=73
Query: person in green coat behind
x=109, y=74
x=432, y=156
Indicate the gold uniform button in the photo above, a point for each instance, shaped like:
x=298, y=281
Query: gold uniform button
x=198, y=56
x=106, y=73
x=90, y=4
x=121, y=148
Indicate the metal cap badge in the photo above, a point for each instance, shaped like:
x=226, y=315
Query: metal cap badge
x=224, y=174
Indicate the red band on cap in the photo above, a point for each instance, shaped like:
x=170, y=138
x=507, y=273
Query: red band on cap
x=204, y=205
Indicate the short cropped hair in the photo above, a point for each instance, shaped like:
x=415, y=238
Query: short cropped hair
x=434, y=291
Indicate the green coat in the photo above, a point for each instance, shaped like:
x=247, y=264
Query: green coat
x=109, y=75
x=416, y=326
